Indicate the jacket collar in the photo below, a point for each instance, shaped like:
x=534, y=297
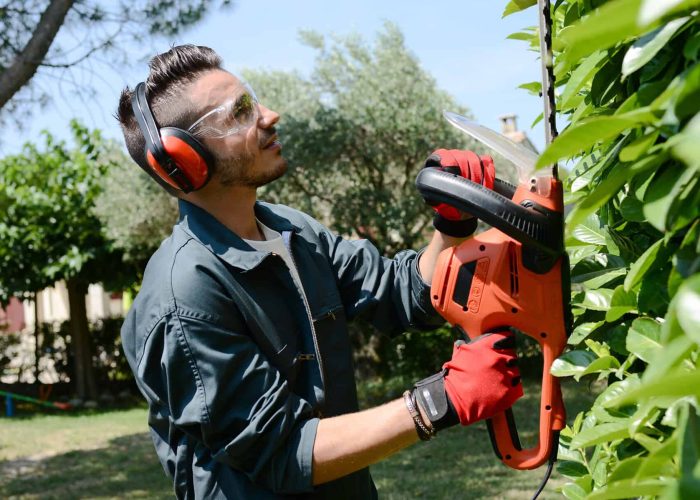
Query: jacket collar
x=223, y=242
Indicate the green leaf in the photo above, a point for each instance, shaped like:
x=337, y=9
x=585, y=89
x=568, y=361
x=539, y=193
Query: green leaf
x=573, y=491
x=597, y=300
x=572, y=363
x=517, y=5
x=643, y=338
x=580, y=77
x=632, y=209
x=652, y=10
x=692, y=47
x=687, y=102
x=587, y=133
x=648, y=442
x=673, y=384
x=602, y=433
x=600, y=349
x=582, y=331
x=612, y=184
x=687, y=147
x=533, y=87
x=690, y=449
x=626, y=469
x=646, y=47
x=672, y=356
x=663, y=191
x=639, y=268
x=621, y=303
x=602, y=364
x=659, y=463
x=579, y=252
x=646, y=412
x=613, y=22
x=687, y=307
x=640, y=146
x=571, y=468
x=590, y=231
x=616, y=389
x=630, y=488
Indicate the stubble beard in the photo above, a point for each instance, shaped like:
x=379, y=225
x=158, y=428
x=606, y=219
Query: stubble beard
x=238, y=171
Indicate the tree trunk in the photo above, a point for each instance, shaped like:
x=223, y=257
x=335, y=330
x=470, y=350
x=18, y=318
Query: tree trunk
x=22, y=68
x=37, y=345
x=83, y=371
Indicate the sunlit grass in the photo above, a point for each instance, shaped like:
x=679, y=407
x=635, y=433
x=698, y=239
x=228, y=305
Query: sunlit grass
x=110, y=455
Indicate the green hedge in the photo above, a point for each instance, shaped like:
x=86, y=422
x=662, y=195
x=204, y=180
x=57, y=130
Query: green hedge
x=628, y=86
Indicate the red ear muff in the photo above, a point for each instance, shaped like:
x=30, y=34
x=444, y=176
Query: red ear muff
x=188, y=154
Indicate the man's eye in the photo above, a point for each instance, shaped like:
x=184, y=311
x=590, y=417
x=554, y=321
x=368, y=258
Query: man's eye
x=243, y=108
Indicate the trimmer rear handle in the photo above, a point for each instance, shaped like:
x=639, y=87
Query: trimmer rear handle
x=536, y=227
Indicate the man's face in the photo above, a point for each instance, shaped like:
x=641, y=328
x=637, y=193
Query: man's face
x=250, y=155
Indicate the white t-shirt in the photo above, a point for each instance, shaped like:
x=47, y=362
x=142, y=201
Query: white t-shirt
x=273, y=243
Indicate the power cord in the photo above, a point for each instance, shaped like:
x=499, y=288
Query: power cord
x=550, y=465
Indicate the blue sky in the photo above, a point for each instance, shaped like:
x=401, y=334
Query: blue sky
x=461, y=43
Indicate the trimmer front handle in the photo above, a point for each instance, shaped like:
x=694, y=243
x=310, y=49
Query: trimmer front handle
x=535, y=226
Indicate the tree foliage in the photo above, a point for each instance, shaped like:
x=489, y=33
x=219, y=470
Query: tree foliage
x=135, y=212
x=628, y=73
x=60, y=39
x=356, y=132
x=49, y=232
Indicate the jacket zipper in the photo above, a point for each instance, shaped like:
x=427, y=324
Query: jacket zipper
x=287, y=243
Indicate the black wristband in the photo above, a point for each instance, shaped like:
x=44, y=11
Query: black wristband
x=455, y=228
x=424, y=432
x=433, y=400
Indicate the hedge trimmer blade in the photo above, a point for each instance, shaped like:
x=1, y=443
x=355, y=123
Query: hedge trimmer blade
x=523, y=158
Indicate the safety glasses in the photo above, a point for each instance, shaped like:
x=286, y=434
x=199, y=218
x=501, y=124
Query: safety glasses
x=232, y=117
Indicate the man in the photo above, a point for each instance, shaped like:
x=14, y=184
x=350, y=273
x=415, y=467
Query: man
x=238, y=338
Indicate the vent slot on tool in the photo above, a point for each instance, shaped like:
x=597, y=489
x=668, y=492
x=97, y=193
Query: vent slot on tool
x=463, y=283
x=445, y=281
x=514, y=279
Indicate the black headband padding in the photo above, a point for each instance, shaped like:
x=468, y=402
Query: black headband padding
x=151, y=134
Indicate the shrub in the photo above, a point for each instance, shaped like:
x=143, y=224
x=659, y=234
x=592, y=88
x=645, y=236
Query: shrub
x=629, y=85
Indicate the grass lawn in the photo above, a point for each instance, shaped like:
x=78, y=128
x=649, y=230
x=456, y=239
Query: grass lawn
x=110, y=455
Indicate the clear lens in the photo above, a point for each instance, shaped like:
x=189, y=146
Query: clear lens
x=235, y=115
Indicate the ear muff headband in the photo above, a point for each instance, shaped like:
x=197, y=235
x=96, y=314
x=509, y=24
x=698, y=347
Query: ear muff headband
x=176, y=158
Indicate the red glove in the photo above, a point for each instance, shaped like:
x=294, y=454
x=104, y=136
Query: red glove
x=479, y=169
x=481, y=380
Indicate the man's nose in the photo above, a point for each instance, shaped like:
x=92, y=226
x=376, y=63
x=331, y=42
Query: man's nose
x=268, y=117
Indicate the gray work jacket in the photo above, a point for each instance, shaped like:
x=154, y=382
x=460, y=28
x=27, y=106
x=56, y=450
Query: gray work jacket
x=237, y=367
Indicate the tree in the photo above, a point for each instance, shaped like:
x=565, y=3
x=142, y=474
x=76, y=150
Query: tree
x=32, y=42
x=135, y=212
x=355, y=134
x=49, y=232
x=629, y=74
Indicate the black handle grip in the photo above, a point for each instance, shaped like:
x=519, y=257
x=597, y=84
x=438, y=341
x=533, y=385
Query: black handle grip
x=538, y=228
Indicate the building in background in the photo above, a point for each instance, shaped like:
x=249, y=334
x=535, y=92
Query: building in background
x=509, y=128
x=17, y=328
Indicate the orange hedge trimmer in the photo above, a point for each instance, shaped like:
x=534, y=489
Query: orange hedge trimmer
x=517, y=273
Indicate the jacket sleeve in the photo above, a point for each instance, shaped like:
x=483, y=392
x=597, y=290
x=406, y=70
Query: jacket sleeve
x=389, y=293
x=220, y=388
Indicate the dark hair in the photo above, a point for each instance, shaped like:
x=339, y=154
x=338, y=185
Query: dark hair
x=169, y=74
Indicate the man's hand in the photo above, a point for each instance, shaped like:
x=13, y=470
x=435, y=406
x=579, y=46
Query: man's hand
x=479, y=169
x=481, y=380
